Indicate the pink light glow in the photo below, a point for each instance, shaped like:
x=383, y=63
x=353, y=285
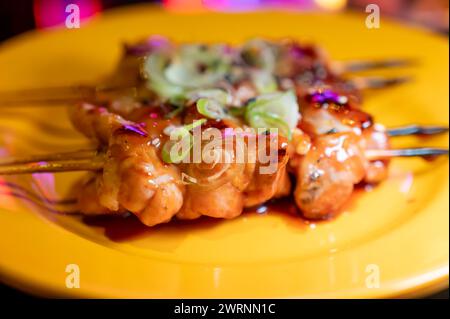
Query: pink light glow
x=233, y=4
x=241, y=5
x=185, y=5
x=49, y=13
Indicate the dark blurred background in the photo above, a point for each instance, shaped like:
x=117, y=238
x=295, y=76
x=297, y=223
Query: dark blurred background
x=17, y=16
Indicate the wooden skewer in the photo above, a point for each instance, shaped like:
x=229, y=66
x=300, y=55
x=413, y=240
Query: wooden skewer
x=377, y=82
x=424, y=152
x=364, y=65
x=95, y=163
x=48, y=95
x=73, y=155
x=87, y=160
x=66, y=94
x=55, y=166
x=59, y=95
x=417, y=130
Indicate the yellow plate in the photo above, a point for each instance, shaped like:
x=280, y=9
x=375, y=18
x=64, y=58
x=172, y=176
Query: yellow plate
x=397, y=233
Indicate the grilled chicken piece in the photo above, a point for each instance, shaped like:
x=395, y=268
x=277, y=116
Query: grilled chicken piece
x=327, y=174
x=376, y=138
x=135, y=179
x=243, y=184
x=269, y=182
x=96, y=123
x=328, y=166
x=329, y=112
x=226, y=201
x=332, y=161
x=218, y=188
x=88, y=199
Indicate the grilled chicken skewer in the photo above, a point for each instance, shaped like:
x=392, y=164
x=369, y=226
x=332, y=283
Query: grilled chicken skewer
x=321, y=188
x=335, y=145
x=334, y=163
x=302, y=63
x=60, y=96
x=131, y=176
x=344, y=147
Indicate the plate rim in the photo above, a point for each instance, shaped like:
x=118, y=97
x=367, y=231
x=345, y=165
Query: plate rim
x=439, y=277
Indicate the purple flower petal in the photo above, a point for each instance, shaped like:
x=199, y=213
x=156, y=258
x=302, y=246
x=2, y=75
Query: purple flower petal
x=134, y=129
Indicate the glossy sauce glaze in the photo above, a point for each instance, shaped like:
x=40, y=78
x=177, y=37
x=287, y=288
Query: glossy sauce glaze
x=126, y=227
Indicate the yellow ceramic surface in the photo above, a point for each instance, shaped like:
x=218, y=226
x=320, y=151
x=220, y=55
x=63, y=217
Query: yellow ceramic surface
x=399, y=230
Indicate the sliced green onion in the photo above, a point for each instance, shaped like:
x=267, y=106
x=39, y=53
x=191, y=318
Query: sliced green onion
x=197, y=66
x=281, y=104
x=194, y=124
x=175, y=112
x=260, y=54
x=264, y=82
x=217, y=94
x=178, y=102
x=270, y=121
x=171, y=74
x=171, y=155
x=182, y=131
x=153, y=69
x=211, y=109
x=175, y=152
x=237, y=111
